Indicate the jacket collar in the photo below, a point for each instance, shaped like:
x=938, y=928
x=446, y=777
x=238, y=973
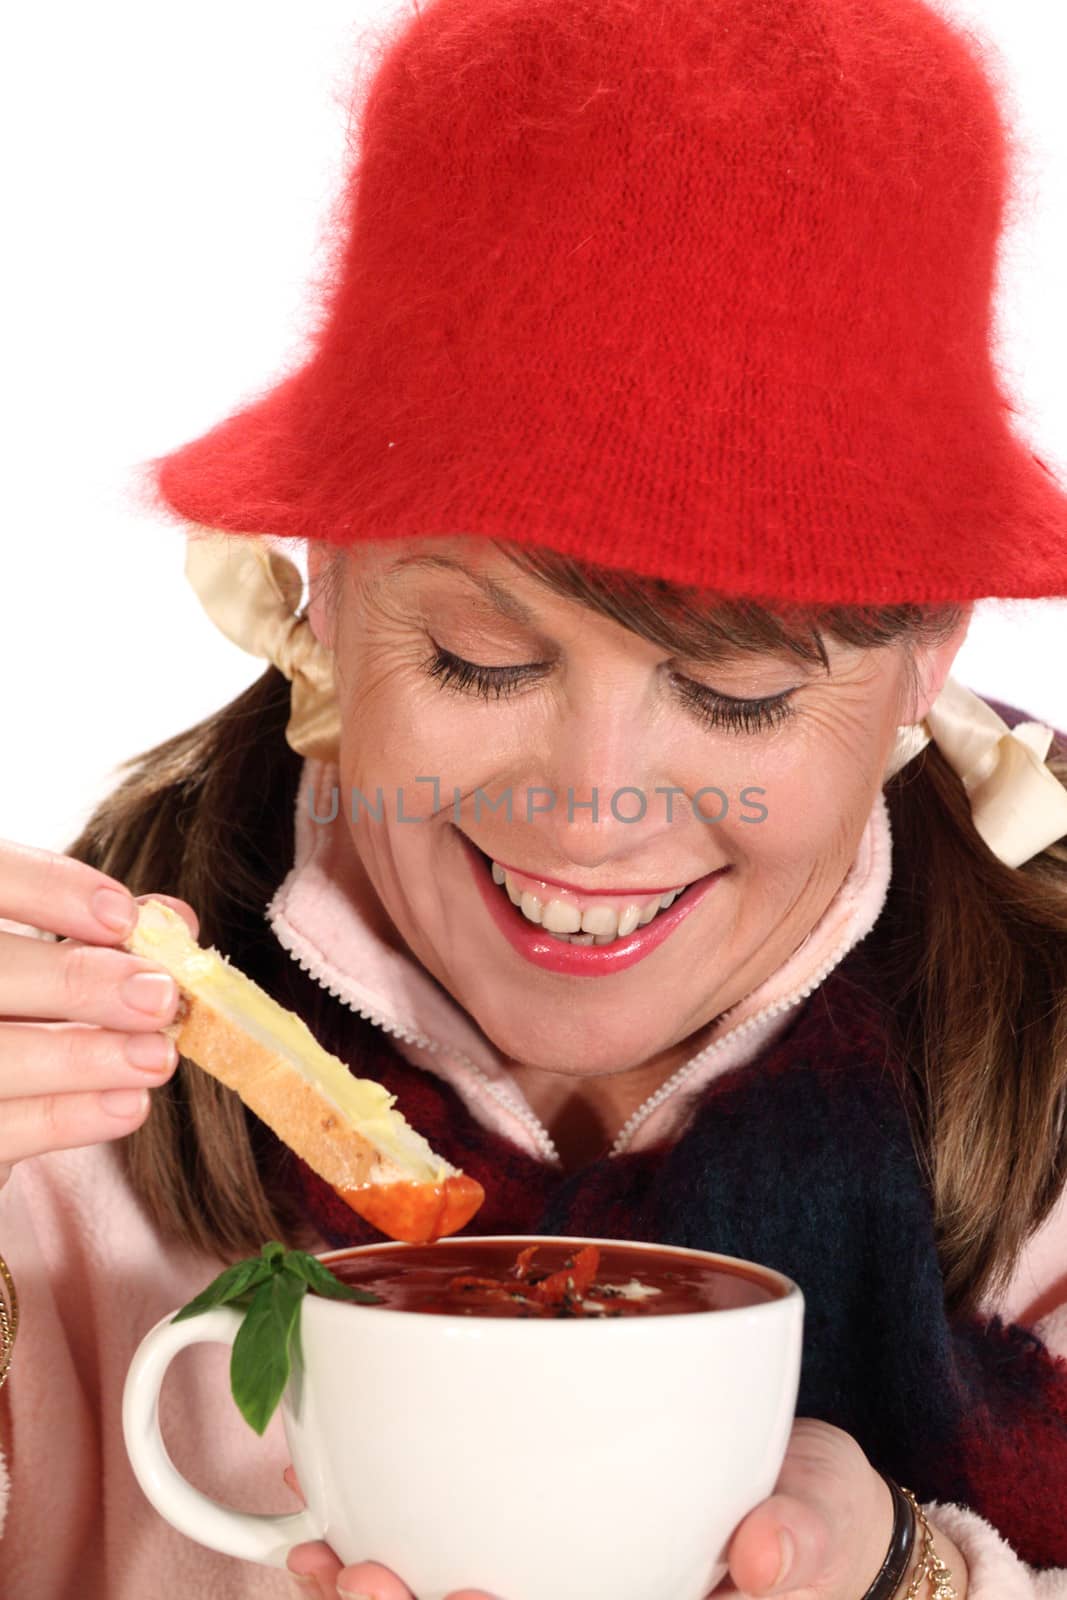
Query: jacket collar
x=317, y=917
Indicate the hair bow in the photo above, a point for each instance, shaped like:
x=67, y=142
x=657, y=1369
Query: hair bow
x=1018, y=805
x=252, y=592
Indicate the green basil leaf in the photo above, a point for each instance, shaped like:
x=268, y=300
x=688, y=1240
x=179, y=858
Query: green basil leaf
x=243, y=1301
x=274, y=1255
x=261, y=1360
x=229, y=1285
x=296, y=1343
x=322, y=1280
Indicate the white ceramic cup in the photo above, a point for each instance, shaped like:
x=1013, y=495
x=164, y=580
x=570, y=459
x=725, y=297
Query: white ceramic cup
x=537, y=1459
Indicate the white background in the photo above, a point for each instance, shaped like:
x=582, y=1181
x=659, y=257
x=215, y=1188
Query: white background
x=169, y=170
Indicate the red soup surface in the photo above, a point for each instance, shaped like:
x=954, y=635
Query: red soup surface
x=493, y=1278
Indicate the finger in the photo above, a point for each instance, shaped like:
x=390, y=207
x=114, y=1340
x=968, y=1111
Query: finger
x=52, y=891
x=306, y=1583
x=73, y=982
x=88, y=1086
x=67, y=1122
x=368, y=1580
x=44, y=1058
x=782, y=1544
x=294, y=1484
x=317, y=1562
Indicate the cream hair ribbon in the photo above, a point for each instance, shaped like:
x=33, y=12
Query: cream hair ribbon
x=251, y=592
x=1018, y=806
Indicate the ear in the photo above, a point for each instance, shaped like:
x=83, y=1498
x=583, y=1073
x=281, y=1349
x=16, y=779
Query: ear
x=319, y=558
x=933, y=663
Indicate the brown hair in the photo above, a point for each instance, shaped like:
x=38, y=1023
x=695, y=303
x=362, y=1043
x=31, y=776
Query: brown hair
x=968, y=958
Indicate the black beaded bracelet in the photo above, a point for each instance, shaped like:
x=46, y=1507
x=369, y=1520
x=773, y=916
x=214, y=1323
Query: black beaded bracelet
x=901, y=1548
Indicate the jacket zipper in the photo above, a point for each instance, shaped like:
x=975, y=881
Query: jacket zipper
x=499, y=1091
x=773, y=1009
x=433, y=1046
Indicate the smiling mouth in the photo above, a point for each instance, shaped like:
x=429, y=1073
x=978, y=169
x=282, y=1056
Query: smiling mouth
x=581, y=919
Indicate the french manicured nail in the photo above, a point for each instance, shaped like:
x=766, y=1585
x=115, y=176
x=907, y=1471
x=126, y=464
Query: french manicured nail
x=124, y=1102
x=116, y=911
x=152, y=1052
x=149, y=991
x=788, y=1550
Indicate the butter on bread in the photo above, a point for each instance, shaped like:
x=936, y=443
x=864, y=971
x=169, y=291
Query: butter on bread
x=344, y=1127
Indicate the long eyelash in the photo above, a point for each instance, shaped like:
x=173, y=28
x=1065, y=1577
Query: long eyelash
x=469, y=678
x=714, y=710
x=745, y=716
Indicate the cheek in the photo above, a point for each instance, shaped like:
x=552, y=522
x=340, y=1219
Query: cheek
x=817, y=803
x=398, y=725
x=401, y=729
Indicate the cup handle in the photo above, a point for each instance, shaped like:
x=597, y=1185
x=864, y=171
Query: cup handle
x=266, y=1539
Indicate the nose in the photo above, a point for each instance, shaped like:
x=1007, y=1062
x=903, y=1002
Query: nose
x=608, y=801
x=598, y=826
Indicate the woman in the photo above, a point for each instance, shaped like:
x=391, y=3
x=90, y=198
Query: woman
x=650, y=459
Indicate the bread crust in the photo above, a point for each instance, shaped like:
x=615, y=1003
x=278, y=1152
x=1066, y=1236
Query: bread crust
x=374, y=1184
x=280, y=1096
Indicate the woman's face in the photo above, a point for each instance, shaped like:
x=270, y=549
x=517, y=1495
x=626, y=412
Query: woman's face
x=593, y=706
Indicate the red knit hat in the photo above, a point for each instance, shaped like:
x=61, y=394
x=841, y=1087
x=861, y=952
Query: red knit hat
x=701, y=289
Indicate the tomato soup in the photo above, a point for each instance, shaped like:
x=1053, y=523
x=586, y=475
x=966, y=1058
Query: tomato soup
x=550, y=1278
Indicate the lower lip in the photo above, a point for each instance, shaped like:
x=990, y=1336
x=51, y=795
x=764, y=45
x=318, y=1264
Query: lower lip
x=581, y=960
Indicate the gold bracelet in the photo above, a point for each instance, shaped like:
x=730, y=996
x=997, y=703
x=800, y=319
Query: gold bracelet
x=930, y=1564
x=9, y=1319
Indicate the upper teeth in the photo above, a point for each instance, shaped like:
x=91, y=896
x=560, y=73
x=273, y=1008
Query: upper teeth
x=591, y=921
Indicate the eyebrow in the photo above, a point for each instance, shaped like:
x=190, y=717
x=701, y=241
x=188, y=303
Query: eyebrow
x=500, y=598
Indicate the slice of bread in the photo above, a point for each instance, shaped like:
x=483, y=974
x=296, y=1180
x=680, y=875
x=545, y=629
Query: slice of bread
x=344, y=1127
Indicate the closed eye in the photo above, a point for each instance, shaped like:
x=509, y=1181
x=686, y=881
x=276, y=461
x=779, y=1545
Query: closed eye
x=712, y=708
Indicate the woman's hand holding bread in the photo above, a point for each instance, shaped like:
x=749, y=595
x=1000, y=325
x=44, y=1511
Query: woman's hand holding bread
x=346, y=1128
x=80, y=1018
x=81, y=1041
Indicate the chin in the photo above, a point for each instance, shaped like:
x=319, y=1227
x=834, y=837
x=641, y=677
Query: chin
x=569, y=1056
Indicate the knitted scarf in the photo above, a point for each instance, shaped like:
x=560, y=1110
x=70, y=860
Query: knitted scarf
x=803, y=1160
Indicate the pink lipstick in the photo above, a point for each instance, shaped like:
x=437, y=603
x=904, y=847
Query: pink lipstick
x=537, y=946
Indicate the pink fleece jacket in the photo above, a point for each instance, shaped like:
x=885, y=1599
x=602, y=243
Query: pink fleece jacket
x=93, y=1275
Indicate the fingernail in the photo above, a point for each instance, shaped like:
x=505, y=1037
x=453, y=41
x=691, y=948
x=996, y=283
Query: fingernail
x=788, y=1550
x=149, y=991
x=150, y=1051
x=309, y=1585
x=124, y=1102
x=350, y=1594
x=116, y=911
